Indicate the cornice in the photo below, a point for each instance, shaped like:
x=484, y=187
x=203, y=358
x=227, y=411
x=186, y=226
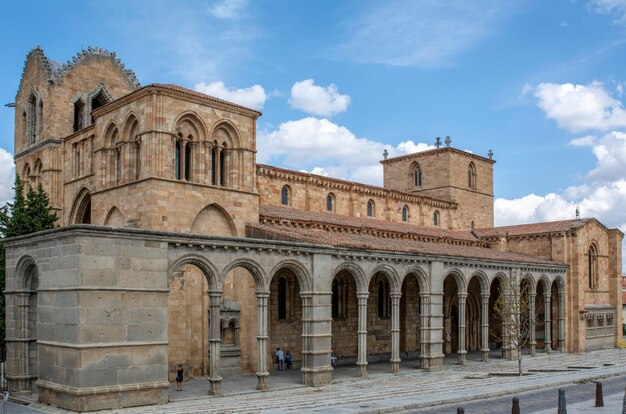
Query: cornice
x=434, y=151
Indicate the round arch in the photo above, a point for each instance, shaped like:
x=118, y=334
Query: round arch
x=81, y=207
x=357, y=273
x=231, y=131
x=131, y=123
x=420, y=275
x=390, y=273
x=194, y=120
x=251, y=266
x=24, y=272
x=459, y=278
x=483, y=280
x=211, y=217
x=208, y=269
x=302, y=274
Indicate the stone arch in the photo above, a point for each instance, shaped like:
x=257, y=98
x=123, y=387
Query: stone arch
x=390, y=273
x=357, y=273
x=302, y=274
x=471, y=175
x=81, y=207
x=190, y=124
x=214, y=220
x=483, y=280
x=111, y=135
x=545, y=283
x=415, y=175
x=208, y=269
x=225, y=131
x=23, y=272
x=560, y=283
x=254, y=268
x=420, y=275
x=502, y=278
x=114, y=218
x=131, y=127
x=459, y=278
x=532, y=283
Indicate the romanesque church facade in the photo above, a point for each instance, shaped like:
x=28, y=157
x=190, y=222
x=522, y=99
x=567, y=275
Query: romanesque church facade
x=175, y=246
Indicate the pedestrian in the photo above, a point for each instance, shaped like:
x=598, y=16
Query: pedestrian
x=179, y=377
x=333, y=358
x=280, y=357
x=288, y=358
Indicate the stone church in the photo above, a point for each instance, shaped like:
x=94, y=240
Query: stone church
x=175, y=247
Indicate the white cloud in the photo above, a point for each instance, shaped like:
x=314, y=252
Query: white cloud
x=318, y=100
x=585, y=141
x=326, y=148
x=252, y=97
x=228, y=9
x=7, y=176
x=616, y=8
x=604, y=202
x=419, y=33
x=581, y=107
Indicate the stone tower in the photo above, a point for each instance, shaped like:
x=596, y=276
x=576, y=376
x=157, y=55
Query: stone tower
x=450, y=174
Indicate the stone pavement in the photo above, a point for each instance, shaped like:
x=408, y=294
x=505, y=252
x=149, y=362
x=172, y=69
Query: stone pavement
x=384, y=392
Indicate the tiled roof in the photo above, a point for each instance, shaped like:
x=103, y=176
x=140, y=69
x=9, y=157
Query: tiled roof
x=195, y=94
x=332, y=182
x=369, y=242
x=268, y=212
x=534, y=228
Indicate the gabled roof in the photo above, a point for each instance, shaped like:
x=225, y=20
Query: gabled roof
x=370, y=242
x=176, y=89
x=437, y=150
x=533, y=228
x=56, y=70
x=268, y=213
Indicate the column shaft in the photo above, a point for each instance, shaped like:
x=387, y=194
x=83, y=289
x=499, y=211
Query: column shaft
x=215, y=343
x=462, y=352
x=531, y=323
x=561, y=337
x=547, y=327
x=395, y=332
x=362, y=335
x=262, y=300
x=484, y=315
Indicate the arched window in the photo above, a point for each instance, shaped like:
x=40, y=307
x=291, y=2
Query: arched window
x=223, y=166
x=417, y=176
x=472, y=225
x=335, y=299
x=31, y=119
x=118, y=165
x=188, y=161
x=471, y=176
x=39, y=119
x=177, y=160
x=592, y=266
x=285, y=195
x=213, y=164
x=330, y=202
x=282, y=298
x=371, y=208
x=98, y=100
x=405, y=213
x=436, y=220
x=79, y=114
x=383, y=299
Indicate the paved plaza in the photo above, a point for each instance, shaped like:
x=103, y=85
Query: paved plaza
x=410, y=390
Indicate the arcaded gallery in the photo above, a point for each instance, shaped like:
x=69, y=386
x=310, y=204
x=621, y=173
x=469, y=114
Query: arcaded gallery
x=175, y=247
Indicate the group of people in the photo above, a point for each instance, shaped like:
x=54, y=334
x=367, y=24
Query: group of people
x=283, y=359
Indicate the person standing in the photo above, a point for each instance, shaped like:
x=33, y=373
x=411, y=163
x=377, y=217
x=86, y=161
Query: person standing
x=179, y=377
x=280, y=357
x=288, y=359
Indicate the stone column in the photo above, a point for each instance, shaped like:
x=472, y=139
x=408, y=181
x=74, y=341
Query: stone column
x=423, y=324
x=226, y=168
x=462, y=352
x=484, y=327
x=433, y=329
x=215, y=342
x=395, y=332
x=218, y=176
x=206, y=162
x=547, y=327
x=262, y=300
x=561, y=337
x=531, y=323
x=317, y=336
x=361, y=362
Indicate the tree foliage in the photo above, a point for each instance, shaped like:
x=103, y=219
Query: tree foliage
x=24, y=215
x=514, y=309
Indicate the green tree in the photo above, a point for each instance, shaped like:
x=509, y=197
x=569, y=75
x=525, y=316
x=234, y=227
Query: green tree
x=25, y=215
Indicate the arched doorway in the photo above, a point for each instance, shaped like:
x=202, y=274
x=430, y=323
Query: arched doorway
x=345, y=314
x=81, y=210
x=379, y=318
x=285, y=321
x=497, y=327
x=473, y=317
x=541, y=323
x=410, y=318
x=24, y=365
x=450, y=315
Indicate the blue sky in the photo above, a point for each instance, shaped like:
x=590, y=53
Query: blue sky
x=538, y=82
